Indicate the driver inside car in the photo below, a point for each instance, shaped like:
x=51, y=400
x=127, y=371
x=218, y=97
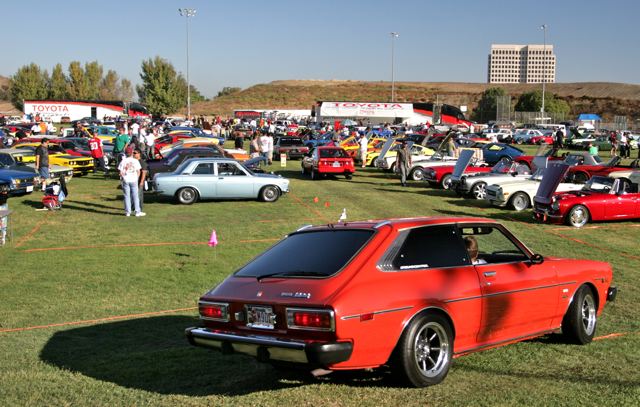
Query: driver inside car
x=472, y=248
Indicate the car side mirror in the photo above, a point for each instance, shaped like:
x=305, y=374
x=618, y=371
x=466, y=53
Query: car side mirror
x=537, y=259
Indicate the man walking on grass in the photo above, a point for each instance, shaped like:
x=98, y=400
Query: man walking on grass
x=403, y=162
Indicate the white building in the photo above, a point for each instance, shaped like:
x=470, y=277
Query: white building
x=521, y=64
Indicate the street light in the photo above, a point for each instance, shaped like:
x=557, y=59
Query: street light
x=393, y=51
x=189, y=12
x=544, y=65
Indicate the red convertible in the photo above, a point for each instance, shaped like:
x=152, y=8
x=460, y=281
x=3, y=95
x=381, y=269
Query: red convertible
x=601, y=198
x=582, y=173
x=441, y=176
x=410, y=293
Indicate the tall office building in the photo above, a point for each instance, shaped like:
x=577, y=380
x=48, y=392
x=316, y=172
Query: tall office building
x=521, y=64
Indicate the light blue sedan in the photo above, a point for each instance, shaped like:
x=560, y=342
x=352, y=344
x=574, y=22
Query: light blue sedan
x=218, y=178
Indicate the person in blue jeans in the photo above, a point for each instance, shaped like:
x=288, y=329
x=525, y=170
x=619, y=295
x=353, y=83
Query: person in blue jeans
x=130, y=173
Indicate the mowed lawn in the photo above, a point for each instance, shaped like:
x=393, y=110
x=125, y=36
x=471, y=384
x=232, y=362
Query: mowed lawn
x=94, y=285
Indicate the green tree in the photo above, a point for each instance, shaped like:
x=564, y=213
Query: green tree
x=30, y=82
x=532, y=102
x=227, y=91
x=109, y=86
x=84, y=83
x=77, y=82
x=57, y=85
x=162, y=91
x=125, y=90
x=94, y=73
x=196, y=96
x=5, y=93
x=487, y=107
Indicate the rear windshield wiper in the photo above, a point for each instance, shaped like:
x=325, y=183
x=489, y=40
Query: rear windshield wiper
x=301, y=272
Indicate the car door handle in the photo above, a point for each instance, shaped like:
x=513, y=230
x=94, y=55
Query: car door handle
x=220, y=177
x=489, y=273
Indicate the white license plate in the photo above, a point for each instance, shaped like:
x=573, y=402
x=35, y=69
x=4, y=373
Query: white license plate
x=259, y=317
x=30, y=188
x=336, y=164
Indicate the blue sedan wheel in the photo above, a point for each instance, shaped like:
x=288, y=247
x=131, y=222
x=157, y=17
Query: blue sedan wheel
x=187, y=196
x=269, y=193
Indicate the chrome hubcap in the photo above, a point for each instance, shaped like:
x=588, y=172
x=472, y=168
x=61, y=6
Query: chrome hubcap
x=588, y=315
x=430, y=348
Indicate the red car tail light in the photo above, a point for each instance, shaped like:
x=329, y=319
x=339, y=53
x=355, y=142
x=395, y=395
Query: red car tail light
x=214, y=311
x=310, y=319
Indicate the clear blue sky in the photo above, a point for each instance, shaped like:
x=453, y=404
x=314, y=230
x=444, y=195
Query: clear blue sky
x=250, y=42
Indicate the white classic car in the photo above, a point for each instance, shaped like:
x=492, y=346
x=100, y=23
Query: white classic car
x=474, y=184
x=519, y=195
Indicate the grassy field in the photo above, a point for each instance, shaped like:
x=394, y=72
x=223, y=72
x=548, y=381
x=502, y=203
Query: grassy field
x=94, y=285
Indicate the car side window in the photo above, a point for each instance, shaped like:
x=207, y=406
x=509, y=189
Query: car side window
x=203, y=169
x=226, y=169
x=494, y=246
x=431, y=247
x=5, y=159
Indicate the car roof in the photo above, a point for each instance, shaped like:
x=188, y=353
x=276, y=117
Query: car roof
x=405, y=223
x=14, y=150
x=217, y=159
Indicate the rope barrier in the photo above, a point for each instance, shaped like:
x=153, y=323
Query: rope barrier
x=26, y=237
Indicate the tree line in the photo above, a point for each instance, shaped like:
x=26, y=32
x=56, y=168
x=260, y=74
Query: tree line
x=530, y=101
x=163, y=90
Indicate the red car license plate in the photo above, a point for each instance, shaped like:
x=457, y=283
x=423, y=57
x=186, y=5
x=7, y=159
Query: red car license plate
x=259, y=316
x=336, y=164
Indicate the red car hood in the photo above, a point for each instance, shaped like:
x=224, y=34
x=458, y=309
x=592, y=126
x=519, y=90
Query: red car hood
x=550, y=181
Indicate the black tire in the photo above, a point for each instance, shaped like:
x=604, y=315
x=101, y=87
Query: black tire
x=445, y=182
x=579, y=323
x=349, y=176
x=506, y=158
x=519, y=140
x=187, y=196
x=417, y=174
x=269, y=193
x=581, y=177
x=519, y=201
x=479, y=190
x=578, y=216
x=373, y=162
x=424, y=352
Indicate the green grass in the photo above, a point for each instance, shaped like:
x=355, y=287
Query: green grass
x=147, y=361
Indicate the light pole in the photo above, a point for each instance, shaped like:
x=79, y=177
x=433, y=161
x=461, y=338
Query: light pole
x=189, y=12
x=393, y=52
x=544, y=65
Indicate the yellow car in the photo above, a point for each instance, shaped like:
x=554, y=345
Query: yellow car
x=189, y=142
x=416, y=150
x=81, y=165
x=351, y=146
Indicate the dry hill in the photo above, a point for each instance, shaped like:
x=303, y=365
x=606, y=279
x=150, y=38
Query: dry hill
x=604, y=98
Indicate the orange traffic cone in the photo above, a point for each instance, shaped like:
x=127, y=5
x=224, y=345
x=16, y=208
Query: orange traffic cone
x=326, y=204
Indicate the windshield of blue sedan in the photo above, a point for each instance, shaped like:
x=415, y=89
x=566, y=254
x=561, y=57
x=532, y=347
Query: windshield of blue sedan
x=309, y=254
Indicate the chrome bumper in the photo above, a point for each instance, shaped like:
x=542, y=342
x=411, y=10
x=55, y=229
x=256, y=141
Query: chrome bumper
x=267, y=349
